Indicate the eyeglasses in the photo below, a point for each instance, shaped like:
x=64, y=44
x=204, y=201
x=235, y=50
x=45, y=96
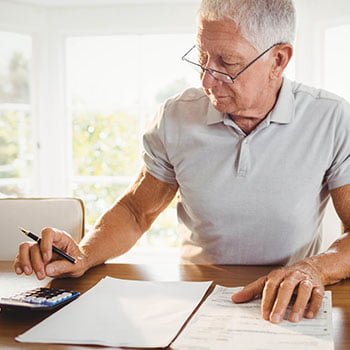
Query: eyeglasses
x=222, y=76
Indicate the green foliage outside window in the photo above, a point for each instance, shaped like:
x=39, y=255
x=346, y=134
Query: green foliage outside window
x=16, y=146
x=16, y=152
x=14, y=87
x=97, y=198
x=105, y=144
x=109, y=145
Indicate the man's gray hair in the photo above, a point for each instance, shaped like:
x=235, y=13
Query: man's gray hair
x=262, y=22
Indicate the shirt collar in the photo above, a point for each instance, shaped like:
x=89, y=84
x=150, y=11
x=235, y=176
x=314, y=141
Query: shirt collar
x=282, y=113
x=284, y=110
x=213, y=115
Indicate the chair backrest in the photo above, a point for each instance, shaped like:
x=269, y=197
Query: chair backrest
x=34, y=214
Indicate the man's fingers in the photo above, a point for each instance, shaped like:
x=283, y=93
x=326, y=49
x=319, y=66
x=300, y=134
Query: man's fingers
x=39, y=257
x=59, y=268
x=277, y=290
x=300, y=304
x=250, y=291
x=270, y=291
x=315, y=302
x=284, y=295
x=17, y=266
x=23, y=258
x=37, y=261
x=64, y=268
x=47, y=238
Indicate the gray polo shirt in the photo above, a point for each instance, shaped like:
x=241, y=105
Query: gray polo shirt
x=257, y=198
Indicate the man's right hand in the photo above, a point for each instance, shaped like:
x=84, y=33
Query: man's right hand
x=39, y=258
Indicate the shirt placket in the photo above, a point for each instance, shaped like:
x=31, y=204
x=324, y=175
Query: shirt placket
x=243, y=160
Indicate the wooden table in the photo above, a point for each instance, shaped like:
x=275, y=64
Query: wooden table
x=12, y=324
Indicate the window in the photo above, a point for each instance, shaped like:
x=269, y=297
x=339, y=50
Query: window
x=116, y=84
x=336, y=58
x=16, y=129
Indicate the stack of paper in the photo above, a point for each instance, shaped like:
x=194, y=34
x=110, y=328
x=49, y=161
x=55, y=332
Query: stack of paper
x=122, y=313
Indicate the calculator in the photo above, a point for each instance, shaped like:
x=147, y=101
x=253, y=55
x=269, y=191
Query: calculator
x=39, y=299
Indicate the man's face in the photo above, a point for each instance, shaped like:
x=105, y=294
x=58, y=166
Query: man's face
x=223, y=48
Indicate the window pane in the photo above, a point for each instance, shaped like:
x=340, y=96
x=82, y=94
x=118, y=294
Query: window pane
x=16, y=130
x=116, y=84
x=103, y=72
x=337, y=57
x=105, y=144
x=15, y=55
x=98, y=196
x=163, y=73
x=102, y=77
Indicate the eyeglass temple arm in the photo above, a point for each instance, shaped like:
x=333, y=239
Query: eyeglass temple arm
x=252, y=62
x=184, y=56
x=199, y=65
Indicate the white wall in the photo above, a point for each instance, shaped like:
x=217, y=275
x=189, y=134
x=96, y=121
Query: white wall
x=314, y=17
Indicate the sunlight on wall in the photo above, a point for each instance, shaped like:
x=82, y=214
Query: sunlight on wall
x=336, y=60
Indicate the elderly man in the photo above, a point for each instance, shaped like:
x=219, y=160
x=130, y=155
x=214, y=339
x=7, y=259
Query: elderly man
x=255, y=158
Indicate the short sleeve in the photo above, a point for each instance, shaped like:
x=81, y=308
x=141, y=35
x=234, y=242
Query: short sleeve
x=154, y=153
x=339, y=172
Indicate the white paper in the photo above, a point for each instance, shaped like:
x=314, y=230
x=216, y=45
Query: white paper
x=221, y=324
x=11, y=283
x=122, y=313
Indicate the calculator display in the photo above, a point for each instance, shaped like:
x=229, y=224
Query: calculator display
x=39, y=299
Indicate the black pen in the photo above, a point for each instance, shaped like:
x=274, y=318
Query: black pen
x=54, y=249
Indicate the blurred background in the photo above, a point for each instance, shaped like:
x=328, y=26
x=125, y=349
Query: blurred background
x=80, y=80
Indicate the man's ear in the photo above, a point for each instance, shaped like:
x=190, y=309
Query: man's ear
x=281, y=56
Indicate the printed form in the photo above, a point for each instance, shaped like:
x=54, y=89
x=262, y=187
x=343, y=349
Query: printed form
x=221, y=324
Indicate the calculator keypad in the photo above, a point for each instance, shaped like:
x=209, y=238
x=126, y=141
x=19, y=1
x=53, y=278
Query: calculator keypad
x=40, y=297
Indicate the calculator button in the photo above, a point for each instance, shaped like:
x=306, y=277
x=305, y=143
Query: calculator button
x=39, y=298
x=26, y=299
x=66, y=295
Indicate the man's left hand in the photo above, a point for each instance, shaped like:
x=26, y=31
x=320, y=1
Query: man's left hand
x=301, y=280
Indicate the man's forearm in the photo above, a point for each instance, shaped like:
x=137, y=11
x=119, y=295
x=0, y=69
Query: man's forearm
x=120, y=227
x=114, y=234
x=334, y=264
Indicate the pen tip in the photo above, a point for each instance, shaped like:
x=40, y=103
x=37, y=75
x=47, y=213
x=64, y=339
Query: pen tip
x=23, y=230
